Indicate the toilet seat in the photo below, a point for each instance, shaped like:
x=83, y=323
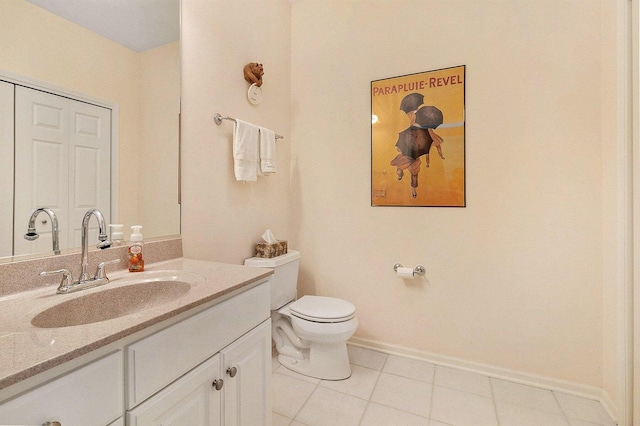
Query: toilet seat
x=322, y=309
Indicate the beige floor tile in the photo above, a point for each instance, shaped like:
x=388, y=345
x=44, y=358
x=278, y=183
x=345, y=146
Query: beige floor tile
x=528, y=396
x=463, y=381
x=519, y=415
x=329, y=408
x=360, y=384
x=366, y=357
x=403, y=393
x=380, y=415
x=289, y=394
x=462, y=408
x=412, y=368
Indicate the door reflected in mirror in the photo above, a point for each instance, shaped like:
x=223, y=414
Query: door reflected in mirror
x=49, y=53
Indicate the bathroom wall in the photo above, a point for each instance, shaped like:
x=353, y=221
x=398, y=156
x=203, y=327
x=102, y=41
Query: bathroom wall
x=223, y=219
x=524, y=278
x=159, y=211
x=524, y=281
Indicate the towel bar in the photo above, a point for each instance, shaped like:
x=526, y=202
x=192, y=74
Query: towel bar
x=218, y=120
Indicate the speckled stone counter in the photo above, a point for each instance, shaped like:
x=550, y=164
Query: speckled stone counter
x=26, y=350
x=21, y=273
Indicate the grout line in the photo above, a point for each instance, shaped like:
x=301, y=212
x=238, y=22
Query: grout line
x=493, y=399
x=305, y=401
x=373, y=389
x=555, y=398
x=433, y=391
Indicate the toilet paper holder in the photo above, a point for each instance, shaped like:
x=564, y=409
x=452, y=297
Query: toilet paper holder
x=418, y=270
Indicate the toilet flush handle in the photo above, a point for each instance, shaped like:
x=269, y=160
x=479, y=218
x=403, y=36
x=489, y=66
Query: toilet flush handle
x=232, y=371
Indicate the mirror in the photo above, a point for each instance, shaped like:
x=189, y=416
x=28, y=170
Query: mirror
x=141, y=81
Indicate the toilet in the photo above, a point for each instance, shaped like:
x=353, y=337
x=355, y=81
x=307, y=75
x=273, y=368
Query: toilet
x=310, y=333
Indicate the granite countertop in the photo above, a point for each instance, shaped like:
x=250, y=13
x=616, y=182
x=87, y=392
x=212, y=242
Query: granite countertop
x=26, y=350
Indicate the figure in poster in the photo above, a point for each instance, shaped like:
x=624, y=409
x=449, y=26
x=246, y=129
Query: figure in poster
x=417, y=139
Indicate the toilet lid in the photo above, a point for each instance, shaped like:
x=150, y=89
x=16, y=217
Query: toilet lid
x=322, y=309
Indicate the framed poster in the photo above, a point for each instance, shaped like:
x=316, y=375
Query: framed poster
x=418, y=139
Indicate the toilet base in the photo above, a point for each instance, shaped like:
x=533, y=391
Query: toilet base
x=325, y=361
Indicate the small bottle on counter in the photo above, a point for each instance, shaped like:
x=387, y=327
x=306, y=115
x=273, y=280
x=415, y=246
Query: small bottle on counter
x=117, y=236
x=136, y=261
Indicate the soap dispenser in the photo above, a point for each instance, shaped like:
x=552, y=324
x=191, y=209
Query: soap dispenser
x=136, y=261
x=117, y=236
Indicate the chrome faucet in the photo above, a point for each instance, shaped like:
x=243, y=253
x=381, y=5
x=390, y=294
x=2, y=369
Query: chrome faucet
x=68, y=285
x=32, y=235
x=102, y=237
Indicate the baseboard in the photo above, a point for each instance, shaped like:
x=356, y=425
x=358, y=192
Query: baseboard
x=544, y=382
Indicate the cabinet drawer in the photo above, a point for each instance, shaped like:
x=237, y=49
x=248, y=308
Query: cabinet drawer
x=90, y=395
x=157, y=360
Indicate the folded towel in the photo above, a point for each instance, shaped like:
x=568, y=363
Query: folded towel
x=267, y=150
x=245, y=151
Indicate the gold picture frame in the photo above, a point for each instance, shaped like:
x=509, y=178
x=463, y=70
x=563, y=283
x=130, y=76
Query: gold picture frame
x=418, y=139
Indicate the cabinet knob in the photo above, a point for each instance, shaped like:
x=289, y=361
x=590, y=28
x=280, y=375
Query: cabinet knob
x=218, y=383
x=232, y=371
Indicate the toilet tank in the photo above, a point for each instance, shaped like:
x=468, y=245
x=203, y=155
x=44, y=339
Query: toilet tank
x=284, y=281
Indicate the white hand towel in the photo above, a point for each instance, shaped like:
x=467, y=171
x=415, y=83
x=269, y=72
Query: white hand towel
x=267, y=150
x=245, y=151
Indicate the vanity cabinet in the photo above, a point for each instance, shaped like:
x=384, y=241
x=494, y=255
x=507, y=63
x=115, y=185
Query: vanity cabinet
x=230, y=388
x=89, y=395
x=161, y=358
x=210, y=368
x=214, y=366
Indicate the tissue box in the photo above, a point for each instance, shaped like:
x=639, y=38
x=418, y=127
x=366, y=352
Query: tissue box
x=271, y=250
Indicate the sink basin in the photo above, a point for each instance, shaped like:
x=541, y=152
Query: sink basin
x=110, y=303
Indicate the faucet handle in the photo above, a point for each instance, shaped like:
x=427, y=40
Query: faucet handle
x=67, y=279
x=100, y=271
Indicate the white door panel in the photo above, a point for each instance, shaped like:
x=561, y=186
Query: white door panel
x=41, y=166
x=90, y=167
x=63, y=162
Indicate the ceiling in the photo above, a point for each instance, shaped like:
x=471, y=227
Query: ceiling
x=136, y=24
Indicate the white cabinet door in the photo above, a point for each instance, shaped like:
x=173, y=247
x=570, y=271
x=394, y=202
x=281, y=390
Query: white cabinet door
x=90, y=395
x=191, y=400
x=247, y=367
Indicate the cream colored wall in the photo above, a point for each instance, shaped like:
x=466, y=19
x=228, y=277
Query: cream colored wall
x=616, y=170
x=158, y=153
x=45, y=47
x=526, y=277
x=515, y=279
x=222, y=219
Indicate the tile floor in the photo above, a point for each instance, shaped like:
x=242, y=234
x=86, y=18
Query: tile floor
x=395, y=391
